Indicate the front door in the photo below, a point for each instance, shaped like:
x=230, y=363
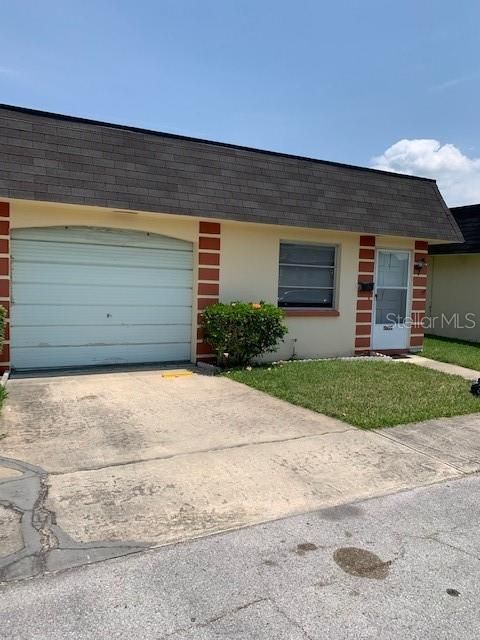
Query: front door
x=392, y=277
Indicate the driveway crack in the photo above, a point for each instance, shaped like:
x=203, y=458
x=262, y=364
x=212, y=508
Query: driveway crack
x=46, y=547
x=171, y=456
x=42, y=521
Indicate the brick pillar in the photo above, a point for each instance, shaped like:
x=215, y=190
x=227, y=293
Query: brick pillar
x=419, y=296
x=5, y=280
x=208, y=279
x=366, y=269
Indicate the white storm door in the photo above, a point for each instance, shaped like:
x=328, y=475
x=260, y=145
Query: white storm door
x=392, y=293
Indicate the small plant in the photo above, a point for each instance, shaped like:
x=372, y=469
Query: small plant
x=242, y=331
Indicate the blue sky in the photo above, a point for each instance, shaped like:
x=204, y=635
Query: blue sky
x=341, y=80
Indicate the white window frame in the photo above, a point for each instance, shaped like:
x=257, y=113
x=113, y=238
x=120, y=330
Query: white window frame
x=334, y=288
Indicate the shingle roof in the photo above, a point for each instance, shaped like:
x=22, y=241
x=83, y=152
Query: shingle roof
x=468, y=219
x=57, y=158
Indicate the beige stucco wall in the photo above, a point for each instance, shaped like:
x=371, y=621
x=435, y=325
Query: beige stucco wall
x=453, y=291
x=39, y=214
x=248, y=269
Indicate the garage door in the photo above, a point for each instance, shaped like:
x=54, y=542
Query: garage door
x=85, y=296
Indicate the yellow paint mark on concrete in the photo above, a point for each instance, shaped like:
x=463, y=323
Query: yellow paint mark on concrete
x=177, y=373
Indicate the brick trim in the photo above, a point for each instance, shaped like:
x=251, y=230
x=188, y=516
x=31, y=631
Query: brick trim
x=419, y=295
x=5, y=280
x=208, y=287
x=366, y=268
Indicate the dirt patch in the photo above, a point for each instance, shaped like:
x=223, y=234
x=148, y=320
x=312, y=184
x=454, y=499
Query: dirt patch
x=361, y=563
x=304, y=547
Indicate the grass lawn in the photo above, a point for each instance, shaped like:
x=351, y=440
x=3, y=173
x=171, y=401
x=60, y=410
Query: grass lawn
x=466, y=354
x=366, y=394
x=3, y=395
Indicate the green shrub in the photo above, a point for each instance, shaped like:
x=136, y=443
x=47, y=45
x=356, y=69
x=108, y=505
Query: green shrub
x=242, y=331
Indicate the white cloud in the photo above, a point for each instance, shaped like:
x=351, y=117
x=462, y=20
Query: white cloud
x=457, y=175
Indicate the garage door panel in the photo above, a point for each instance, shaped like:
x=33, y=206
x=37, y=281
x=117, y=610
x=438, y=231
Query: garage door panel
x=46, y=315
x=36, y=357
x=87, y=274
x=93, y=335
x=64, y=253
x=102, y=294
x=98, y=236
x=90, y=297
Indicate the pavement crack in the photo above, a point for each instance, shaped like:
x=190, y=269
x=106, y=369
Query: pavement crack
x=198, y=451
x=291, y=620
x=41, y=535
x=443, y=543
x=213, y=619
x=42, y=521
x=423, y=453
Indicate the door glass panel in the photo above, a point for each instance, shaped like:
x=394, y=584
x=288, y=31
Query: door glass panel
x=392, y=269
x=391, y=305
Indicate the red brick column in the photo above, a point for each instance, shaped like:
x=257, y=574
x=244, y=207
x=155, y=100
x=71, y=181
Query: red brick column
x=208, y=278
x=5, y=280
x=419, y=295
x=366, y=270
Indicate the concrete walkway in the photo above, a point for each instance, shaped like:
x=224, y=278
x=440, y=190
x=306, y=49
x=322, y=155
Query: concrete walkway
x=444, y=367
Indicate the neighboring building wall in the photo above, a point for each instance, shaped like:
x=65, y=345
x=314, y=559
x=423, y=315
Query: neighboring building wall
x=453, y=292
x=5, y=280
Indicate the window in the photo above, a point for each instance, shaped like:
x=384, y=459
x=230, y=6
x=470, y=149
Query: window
x=306, y=275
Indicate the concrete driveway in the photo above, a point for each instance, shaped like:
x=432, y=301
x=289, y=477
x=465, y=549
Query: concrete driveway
x=99, y=465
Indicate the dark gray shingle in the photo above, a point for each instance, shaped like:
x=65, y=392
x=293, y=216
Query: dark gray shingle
x=468, y=219
x=62, y=159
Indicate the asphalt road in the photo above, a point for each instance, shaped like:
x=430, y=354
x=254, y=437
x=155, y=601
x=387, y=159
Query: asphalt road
x=402, y=566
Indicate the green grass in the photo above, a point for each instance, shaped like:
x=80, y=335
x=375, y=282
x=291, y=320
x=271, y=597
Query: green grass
x=466, y=354
x=366, y=394
x=3, y=395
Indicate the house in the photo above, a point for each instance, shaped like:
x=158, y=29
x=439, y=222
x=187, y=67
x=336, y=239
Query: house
x=453, y=283
x=119, y=238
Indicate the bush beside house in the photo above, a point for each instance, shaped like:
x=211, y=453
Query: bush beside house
x=239, y=332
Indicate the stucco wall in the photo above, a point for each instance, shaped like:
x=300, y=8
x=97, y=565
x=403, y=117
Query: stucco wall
x=453, y=291
x=249, y=268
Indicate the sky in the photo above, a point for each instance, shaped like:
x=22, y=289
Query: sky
x=384, y=83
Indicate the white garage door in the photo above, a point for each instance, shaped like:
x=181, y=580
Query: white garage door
x=85, y=296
